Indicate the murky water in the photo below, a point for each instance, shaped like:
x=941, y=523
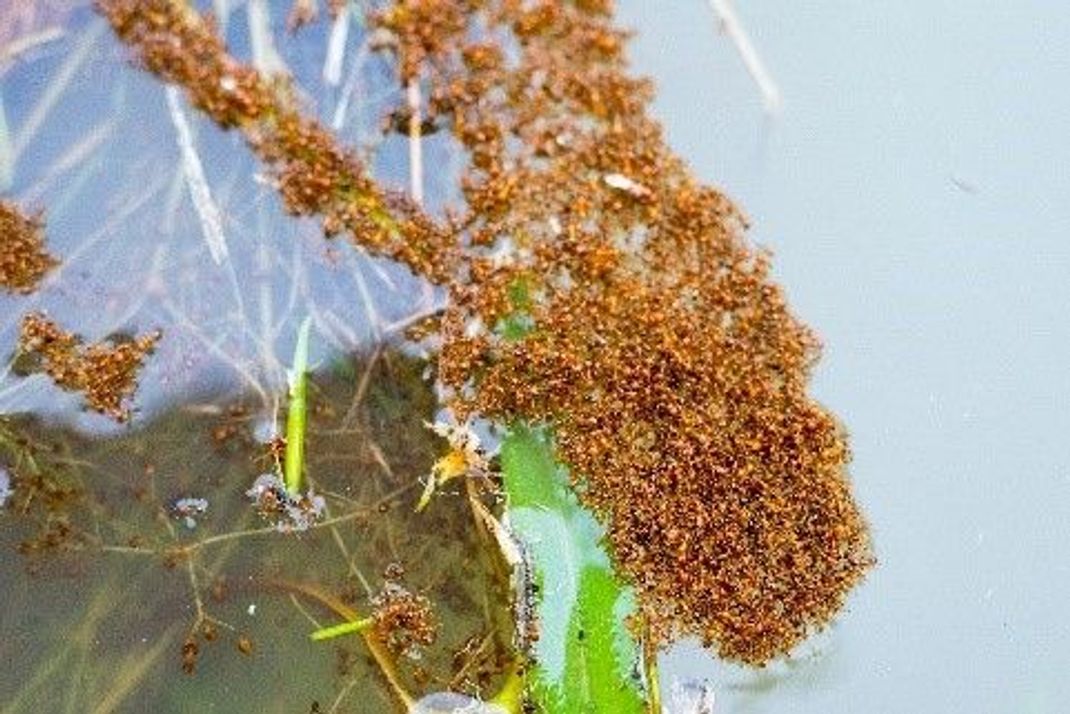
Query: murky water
x=116, y=590
x=137, y=575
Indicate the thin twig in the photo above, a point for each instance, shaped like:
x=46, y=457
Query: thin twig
x=351, y=561
x=205, y=206
x=343, y=694
x=731, y=26
x=375, y=646
x=336, y=47
x=190, y=548
x=410, y=320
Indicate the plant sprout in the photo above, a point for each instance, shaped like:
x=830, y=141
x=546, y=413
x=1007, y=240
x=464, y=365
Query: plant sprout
x=294, y=465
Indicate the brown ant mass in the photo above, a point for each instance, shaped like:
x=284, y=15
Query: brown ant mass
x=596, y=286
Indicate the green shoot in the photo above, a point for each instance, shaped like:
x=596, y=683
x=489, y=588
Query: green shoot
x=345, y=628
x=294, y=465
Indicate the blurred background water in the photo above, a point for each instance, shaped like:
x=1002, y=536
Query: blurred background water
x=915, y=189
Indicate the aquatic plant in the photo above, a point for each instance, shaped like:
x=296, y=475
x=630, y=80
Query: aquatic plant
x=297, y=413
x=582, y=655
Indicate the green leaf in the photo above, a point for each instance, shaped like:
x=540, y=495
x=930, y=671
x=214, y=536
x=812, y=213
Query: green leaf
x=585, y=658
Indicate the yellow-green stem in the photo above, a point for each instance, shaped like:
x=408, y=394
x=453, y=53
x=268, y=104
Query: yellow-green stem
x=294, y=465
x=345, y=628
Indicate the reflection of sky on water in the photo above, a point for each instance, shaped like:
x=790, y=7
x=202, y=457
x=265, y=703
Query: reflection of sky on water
x=916, y=193
x=103, y=159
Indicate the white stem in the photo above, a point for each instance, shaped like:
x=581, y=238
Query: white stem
x=336, y=47
x=731, y=26
x=265, y=57
x=207, y=210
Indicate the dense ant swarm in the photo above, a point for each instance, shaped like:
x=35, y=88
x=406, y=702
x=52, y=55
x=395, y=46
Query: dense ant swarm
x=659, y=351
x=104, y=372
x=404, y=621
x=596, y=286
x=23, y=258
x=315, y=175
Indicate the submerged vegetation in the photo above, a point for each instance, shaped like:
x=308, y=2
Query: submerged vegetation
x=662, y=473
x=230, y=584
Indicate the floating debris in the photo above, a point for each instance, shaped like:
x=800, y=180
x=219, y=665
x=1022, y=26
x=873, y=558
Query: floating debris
x=404, y=621
x=464, y=458
x=104, y=372
x=289, y=513
x=24, y=262
x=188, y=509
x=623, y=183
x=244, y=645
x=691, y=697
x=453, y=703
x=191, y=652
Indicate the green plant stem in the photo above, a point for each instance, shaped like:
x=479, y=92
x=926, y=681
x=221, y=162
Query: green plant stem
x=294, y=465
x=378, y=651
x=345, y=628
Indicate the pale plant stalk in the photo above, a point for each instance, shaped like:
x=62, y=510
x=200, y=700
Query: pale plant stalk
x=265, y=57
x=58, y=84
x=7, y=152
x=336, y=46
x=27, y=42
x=733, y=28
x=207, y=211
